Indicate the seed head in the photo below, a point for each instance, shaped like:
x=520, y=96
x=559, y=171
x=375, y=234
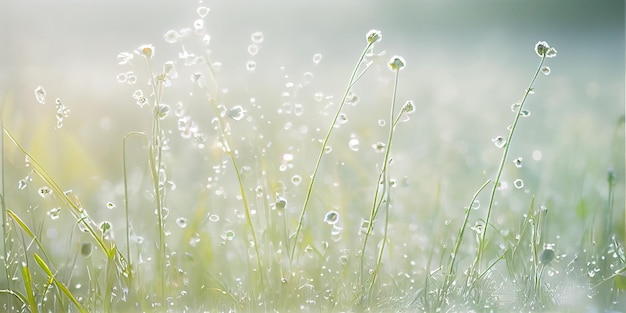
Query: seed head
x=145, y=50
x=396, y=63
x=373, y=36
x=543, y=49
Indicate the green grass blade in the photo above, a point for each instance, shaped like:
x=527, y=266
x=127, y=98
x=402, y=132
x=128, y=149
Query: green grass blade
x=28, y=284
x=59, y=284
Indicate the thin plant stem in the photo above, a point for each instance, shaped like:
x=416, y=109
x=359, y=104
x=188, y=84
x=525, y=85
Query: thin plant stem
x=233, y=157
x=156, y=166
x=324, y=144
x=126, y=210
x=451, y=274
x=386, y=187
x=505, y=153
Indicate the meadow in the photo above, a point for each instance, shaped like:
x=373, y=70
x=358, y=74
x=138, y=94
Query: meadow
x=233, y=172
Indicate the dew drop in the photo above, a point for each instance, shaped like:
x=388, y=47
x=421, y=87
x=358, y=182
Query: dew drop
x=318, y=97
x=328, y=149
x=253, y=50
x=352, y=98
x=499, y=141
x=515, y=106
x=336, y=233
x=364, y=226
x=40, y=95
x=545, y=70
x=163, y=111
x=21, y=184
x=203, y=11
x=518, y=183
x=228, y=235
x=198, y=25
x=379, y=147
x=331, y=217
x=381, y=122
x=475, y=205
x=342, y=118
x=86, y=248
x=206, y=39
x=307, y=77
x=237, y=113
x=257, y=37
x=214, y=218
x=524, y=113
x=298, y=109
x=121, y=78
x=317, y=58
x=296, y=180
x=353, y=144
x=171, y=36
x=181, y=222
x=537, y=155
x=518, y=162
x=54, y=213
x=110, y=205
x=250, y=66
x=502, y=185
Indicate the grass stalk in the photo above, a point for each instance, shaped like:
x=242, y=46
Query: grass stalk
x=351, y=82
x=129, y=256
x=450, y=275
x=386, y=192
x=63, y=289
x=505, y=153
x=226, y=142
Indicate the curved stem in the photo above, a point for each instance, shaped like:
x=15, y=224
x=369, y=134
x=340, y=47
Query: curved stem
x=481, y=249
x=324, y=144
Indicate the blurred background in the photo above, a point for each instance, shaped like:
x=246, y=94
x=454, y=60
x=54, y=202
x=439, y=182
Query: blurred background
x=467, y=63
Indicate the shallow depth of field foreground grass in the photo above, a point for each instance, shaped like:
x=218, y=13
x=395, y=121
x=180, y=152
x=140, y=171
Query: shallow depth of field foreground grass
x=341, y=183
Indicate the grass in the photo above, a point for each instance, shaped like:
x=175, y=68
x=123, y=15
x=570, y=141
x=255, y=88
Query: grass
x=236, y=230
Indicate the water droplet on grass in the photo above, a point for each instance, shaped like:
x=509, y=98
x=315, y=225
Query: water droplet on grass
x=353, y=144
x=21, y=184
x=476, y=205
x=121, y=78
x=86, y=248
x=296, y=180
x=237, y=112
x=44, y=191
x=253, y=50
x=40, y=95
x=342, y=118
x=518, y=162
x=545, y=70
x=214, y=218
x=379, y=147
x=518, y=183
x=257, y=37
x=54, y=213
x=228, y=235
x=317, y=58
x=332, y=217
x=203, y=11
x=524, y=113
x=198, y=25
x=171, y=36
x=307, y=77
x=250, y=66
x=110, y=205
x=499, y=141
x=181, y=222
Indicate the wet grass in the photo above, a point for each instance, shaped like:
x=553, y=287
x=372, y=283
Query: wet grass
x=247, y=206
